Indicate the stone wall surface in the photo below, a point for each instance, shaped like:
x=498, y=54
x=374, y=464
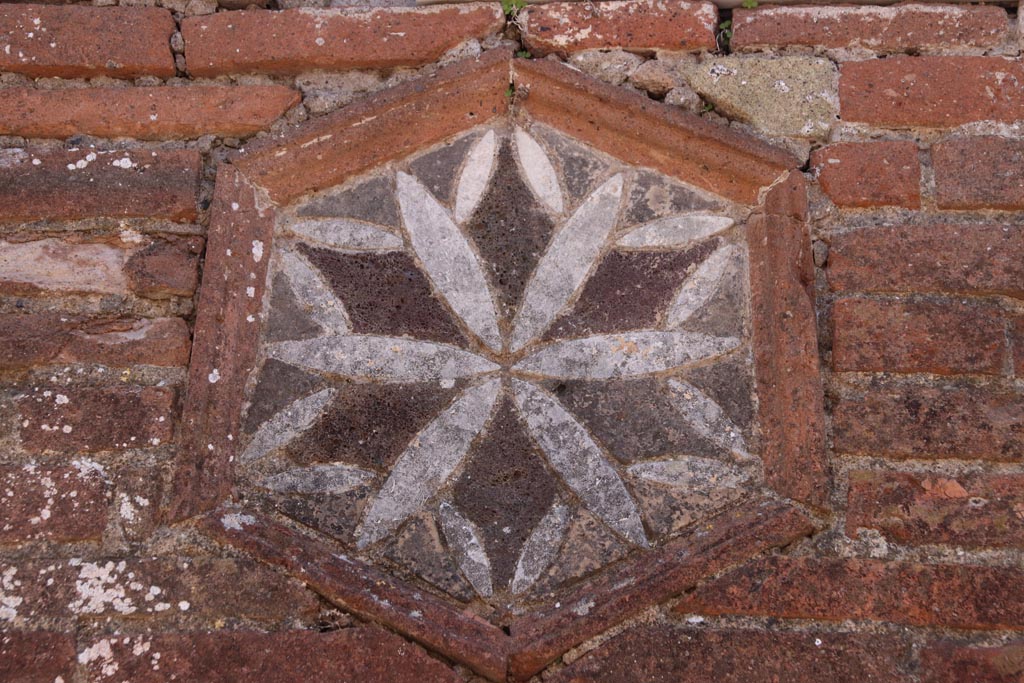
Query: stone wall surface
x=625, y=340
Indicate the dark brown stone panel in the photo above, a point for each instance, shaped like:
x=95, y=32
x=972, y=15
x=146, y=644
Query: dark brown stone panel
x=588, y=546
x=371, y=424
x=386, y=294
x=418, y=548
x=505, y=489
x=511, y=231
x=334, y=514
x=629, y=290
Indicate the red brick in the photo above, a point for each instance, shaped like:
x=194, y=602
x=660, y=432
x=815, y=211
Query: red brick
x=165, y=269
x=641, y=131
x=864, y=174
x=971, y=510
x=36, y=657
x=878, y=29
x=124, y=342
x=786, y=348
x=79, y=419
x=82, y=42
x=954, y=596
x=1017, y=340
x=354, y=655
x=390, y=125
x=57, y=504
x=154, y=113
x=979, y=173
x=227, y=334
x=947, y=662
x=30, y=339
x=672, y=654
x=294, y=41
x=159, y=184
x=931, y=91
x=985, y=258
x=910, y=420
x=941, y=336
x=158, y=589
x=567, y=27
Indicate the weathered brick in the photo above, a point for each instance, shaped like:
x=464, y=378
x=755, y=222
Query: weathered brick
x=877, y=29
x=982, y=172
x=931, y=91
x=353, y=655
x=79, y=419
x=910, y=420
x=939, y=336
x=955, y=596
x=58, y=504
x=36, y=657
x=1017, y=340
x=27, y=340
x=54, y=265
x=165, y=589
x=153, y=113
x=82, y=42
x=947, y=662
x=865, y=174
x=985, y=258
x=566, y=27
x=87, y=184
x=165, y=268
x=294, y=41
x=123, y=342
x=972, y=510
x=670, y=654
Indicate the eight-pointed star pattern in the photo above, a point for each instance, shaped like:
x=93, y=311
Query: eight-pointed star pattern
x=504, y=363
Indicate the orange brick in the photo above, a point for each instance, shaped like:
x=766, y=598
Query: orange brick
x=865, y=174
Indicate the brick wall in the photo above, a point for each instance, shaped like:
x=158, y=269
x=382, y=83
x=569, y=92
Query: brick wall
x=114, y=122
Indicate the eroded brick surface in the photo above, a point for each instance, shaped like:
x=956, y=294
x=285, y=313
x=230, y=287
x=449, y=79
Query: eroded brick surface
x=36, y=656
x=63, y=503
x=979, y=173
x=869, y=174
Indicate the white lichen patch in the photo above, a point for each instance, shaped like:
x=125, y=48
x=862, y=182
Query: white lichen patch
x=9, y=602
x=99, y=589
x=236, y=521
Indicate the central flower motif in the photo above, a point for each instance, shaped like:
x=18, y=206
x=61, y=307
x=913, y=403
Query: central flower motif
x=507, y=353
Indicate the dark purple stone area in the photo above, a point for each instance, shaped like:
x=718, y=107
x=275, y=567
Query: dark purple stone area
x=386, y=294
x=630, y=290
x=505, y=489
x=371, y=424
x=278, y=385
x=511, y=231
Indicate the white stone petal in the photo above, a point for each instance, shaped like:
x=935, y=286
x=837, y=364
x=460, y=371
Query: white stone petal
x=345, y=234
x=310, y=290
x=286, y=425
x=574, y=455
x=540, y=173
x=383, y=359
x=475, y=174
x=326, y=478
x=702, y=284
x=690, y=472
x=448, y=259
x=676, y=231
x=567, y=261
x=464, y=539
x=707, y=417
x=628, y=354
x=541, y=548
x=428, y=461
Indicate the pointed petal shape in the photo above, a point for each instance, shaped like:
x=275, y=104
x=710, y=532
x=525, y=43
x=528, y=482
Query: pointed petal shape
x=310, y=290
x=428, y=461
x=541, y=547
x=384, y=359
x=690, y=472
x=575, y=456
x=464, y=539
x=707, y=417
x=345, y=234
x=326, y=478
x=567, y=261
x=540, y=173
x=475, y=175
x=287, y=424
x=676, y=231
x=448, y=259
x=702, y=285
x=628, y=354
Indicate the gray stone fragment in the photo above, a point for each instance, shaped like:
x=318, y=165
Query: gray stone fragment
x=318, y=479
x=476, y=174
x=539, y=171
x=684, y=97
x=676, y=231
x=286, y=425
x=690, y=472
x=708, y=418
x=541, y=548
x=464, y=539
x=344, y=234
x=312, y=292
x=702, y=284
x=610, y=66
